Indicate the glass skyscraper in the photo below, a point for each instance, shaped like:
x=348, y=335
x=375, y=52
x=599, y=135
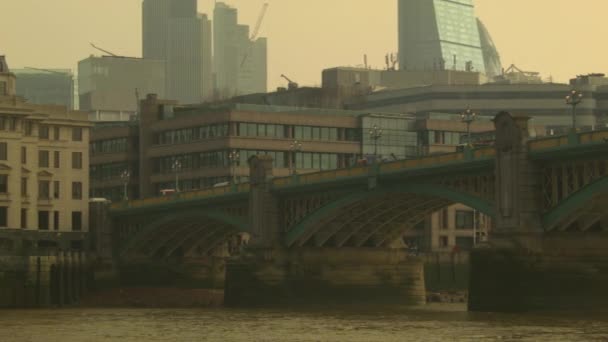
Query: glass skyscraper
x=439, y=35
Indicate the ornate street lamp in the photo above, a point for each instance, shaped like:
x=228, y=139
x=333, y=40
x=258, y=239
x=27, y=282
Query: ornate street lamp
x=125, y=176
x=294, y=147
x=234, y=157
x=177, y=166
x=573, y=99
x=468, y=116
x=375, y=134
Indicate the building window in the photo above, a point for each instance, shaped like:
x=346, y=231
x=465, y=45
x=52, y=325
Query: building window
x=23, y=155
x=443, y=241
x=4, y=217
x=43, y=158
x=29, y=128
x=56, y=159
x=464, y=219
x=76, y=160
x=56, y=133
x=23, y=218
x=76, y=133
x=76, y=220
x=56, y=189
x=44, y=189
x=3, y=88
x=12, y=124
x=3, y=151
x=3, y=184
x=23, y=187
x=76, y=190
x=43, y=132
x=43, y=220
x=56, y=220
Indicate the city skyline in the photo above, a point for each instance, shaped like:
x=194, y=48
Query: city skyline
x=516, y=44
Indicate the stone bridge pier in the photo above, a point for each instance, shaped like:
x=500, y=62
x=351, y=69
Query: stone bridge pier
x=269, y=273
x=526, y=266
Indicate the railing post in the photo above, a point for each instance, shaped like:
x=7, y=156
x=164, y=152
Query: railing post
x=573, y=138
x=469, y=153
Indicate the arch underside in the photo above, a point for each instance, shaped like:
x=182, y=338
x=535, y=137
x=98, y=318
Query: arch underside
x=372, y=222
x=377, y=218
x=589, y=216
x=189, y=236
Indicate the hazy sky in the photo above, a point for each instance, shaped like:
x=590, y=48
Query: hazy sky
x=561, y=38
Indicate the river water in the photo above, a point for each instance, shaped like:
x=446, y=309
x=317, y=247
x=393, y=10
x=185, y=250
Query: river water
x=436, y=322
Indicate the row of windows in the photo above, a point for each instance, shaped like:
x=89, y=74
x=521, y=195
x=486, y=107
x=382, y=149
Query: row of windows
x=192, y=134
x=9, y=123
x=44, y=219
x=43, y=157
x=244, y=129
x=109, y=146
x=464, y=219
x=109, y=171
x=427, y=138
x=215, y=159
x=44, y=188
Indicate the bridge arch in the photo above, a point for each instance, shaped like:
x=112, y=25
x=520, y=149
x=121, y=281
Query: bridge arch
x=187, y=231
x=574, y=202
x=436, y=197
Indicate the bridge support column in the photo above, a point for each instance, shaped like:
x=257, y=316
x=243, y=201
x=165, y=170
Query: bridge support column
x=327, y=276
x=269, y=274
x=523, y=268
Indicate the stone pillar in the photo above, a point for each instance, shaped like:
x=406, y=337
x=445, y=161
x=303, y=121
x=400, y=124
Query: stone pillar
x=518, y=201
x=263, y=207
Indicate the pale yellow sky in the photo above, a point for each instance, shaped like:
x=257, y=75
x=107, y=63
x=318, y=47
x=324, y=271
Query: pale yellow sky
x=555, y=37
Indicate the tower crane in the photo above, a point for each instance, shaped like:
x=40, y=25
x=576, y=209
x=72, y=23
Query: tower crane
x=47, y=70
x=104, y=51
x=291, y=84
x=256, y=31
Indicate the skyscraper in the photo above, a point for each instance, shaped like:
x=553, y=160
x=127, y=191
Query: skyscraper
x=490, y=53
x=240, y=65
x=439, y=34
x=173, y=31
x=225, y=50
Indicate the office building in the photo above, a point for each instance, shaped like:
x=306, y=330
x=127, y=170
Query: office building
x=46, y=86
x=174, y=32
x=240, y=64
x=443, y=34
x=44, y=169
x=202, y=137
x=109, y=86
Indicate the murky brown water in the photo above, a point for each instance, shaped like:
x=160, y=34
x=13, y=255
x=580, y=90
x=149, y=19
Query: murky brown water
x=431, y=323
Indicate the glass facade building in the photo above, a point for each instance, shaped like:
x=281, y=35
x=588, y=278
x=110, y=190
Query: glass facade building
x=439, y=35
x=398, y=140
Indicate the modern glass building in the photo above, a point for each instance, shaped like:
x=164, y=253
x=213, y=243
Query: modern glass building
x=439, y=35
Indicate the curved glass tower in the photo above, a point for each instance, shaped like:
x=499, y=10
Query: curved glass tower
x=439, y=35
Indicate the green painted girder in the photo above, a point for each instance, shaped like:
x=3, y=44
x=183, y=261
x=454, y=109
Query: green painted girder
x=574, y=202
x=180, y=204
x=569, y=152
x=237, y=224
x=300, y=229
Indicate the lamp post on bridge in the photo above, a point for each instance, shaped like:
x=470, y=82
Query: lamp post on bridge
x=375, y=133
x=125, y=176
x=468, y=116
x=234, y=157
x=177, y=166
x=294, y=147
x=573, y=99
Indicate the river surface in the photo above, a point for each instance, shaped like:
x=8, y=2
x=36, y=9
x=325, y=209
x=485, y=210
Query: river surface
x=436, y=322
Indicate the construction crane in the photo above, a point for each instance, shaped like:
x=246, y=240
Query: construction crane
x=291, y=84
x=256, y=31
x=104, y=51
x=48, y=70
